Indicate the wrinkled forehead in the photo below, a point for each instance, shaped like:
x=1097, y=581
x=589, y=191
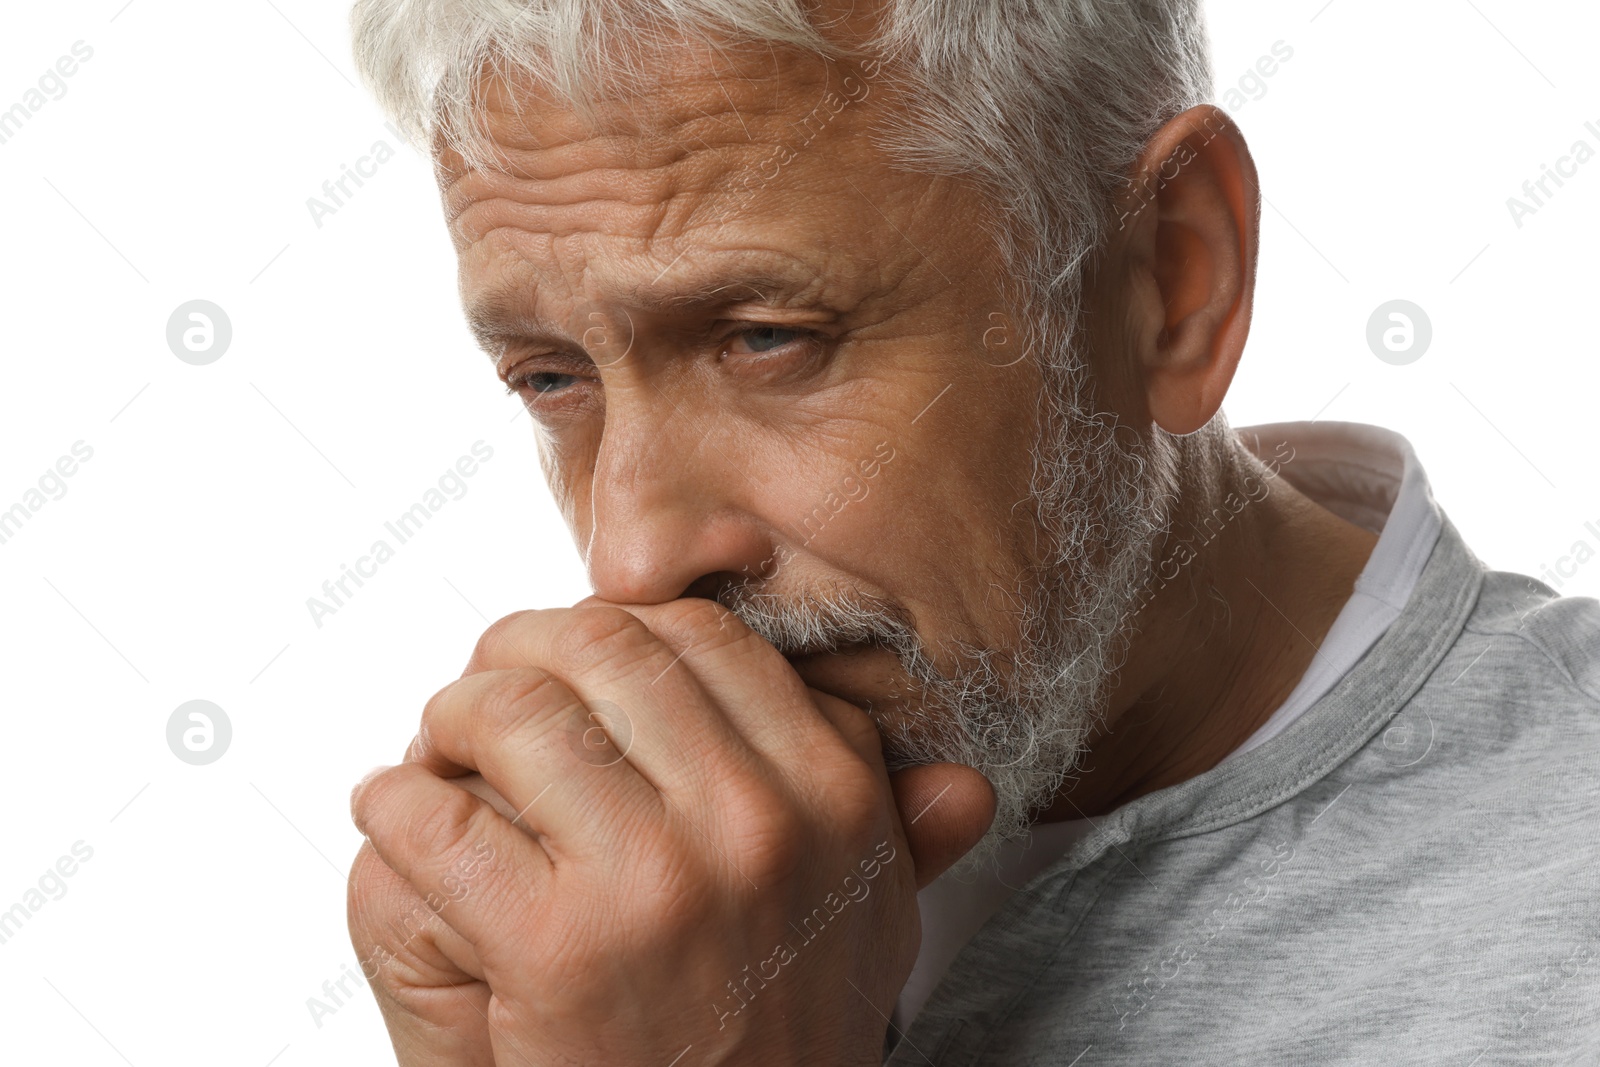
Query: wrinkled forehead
x=738, y=101
x=744, y=150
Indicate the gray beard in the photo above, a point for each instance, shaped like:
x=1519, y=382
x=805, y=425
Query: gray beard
x=1022, y=716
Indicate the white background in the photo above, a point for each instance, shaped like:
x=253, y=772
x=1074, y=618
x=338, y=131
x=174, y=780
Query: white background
x=177, y=566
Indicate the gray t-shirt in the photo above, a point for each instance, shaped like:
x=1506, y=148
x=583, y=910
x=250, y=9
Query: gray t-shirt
x=1407, y=874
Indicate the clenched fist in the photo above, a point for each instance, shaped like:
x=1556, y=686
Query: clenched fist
x=676, y=853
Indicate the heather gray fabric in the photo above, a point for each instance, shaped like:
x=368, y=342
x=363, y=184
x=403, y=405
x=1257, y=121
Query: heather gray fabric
x=1408, y=874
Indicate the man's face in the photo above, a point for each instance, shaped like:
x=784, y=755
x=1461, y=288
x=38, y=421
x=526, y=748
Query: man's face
x=766, y=367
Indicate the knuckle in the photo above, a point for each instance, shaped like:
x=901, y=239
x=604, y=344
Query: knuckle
x=860, y=810
x=862, y=735
x=447, y=828
x=595, y=636
x=695, y=620
x=693, y=614
x=519, y=699
x=493, y=643
x=769, y=837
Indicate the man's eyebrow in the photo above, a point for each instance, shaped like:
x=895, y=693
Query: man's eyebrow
x=504, y=314
x=719, y=289
x=501, y=316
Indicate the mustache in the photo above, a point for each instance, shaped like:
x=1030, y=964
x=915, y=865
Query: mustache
x=823, y=620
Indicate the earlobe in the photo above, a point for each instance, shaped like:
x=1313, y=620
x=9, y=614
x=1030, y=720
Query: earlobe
x=1190, y=217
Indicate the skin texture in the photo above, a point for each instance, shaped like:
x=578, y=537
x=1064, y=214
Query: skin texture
x=690, y=445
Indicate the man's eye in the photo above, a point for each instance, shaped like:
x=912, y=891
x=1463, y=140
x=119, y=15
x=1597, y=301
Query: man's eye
x=541, y=382
x=767, y=338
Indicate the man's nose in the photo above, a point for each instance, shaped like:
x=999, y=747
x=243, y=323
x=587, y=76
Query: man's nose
x=672, y=516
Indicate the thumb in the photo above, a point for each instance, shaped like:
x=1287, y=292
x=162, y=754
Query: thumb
x=946, y=808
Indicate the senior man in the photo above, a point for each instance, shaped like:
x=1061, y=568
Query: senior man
x=958, y=687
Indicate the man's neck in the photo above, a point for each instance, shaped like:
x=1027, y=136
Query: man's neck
x=1223, y=642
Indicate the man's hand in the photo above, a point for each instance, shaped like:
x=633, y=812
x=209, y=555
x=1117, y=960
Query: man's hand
x=677, y=853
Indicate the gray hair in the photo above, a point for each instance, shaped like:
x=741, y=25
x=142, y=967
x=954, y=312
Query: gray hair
x=1044, y=103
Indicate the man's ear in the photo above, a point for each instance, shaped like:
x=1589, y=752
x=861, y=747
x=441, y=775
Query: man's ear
x=1183, y=251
